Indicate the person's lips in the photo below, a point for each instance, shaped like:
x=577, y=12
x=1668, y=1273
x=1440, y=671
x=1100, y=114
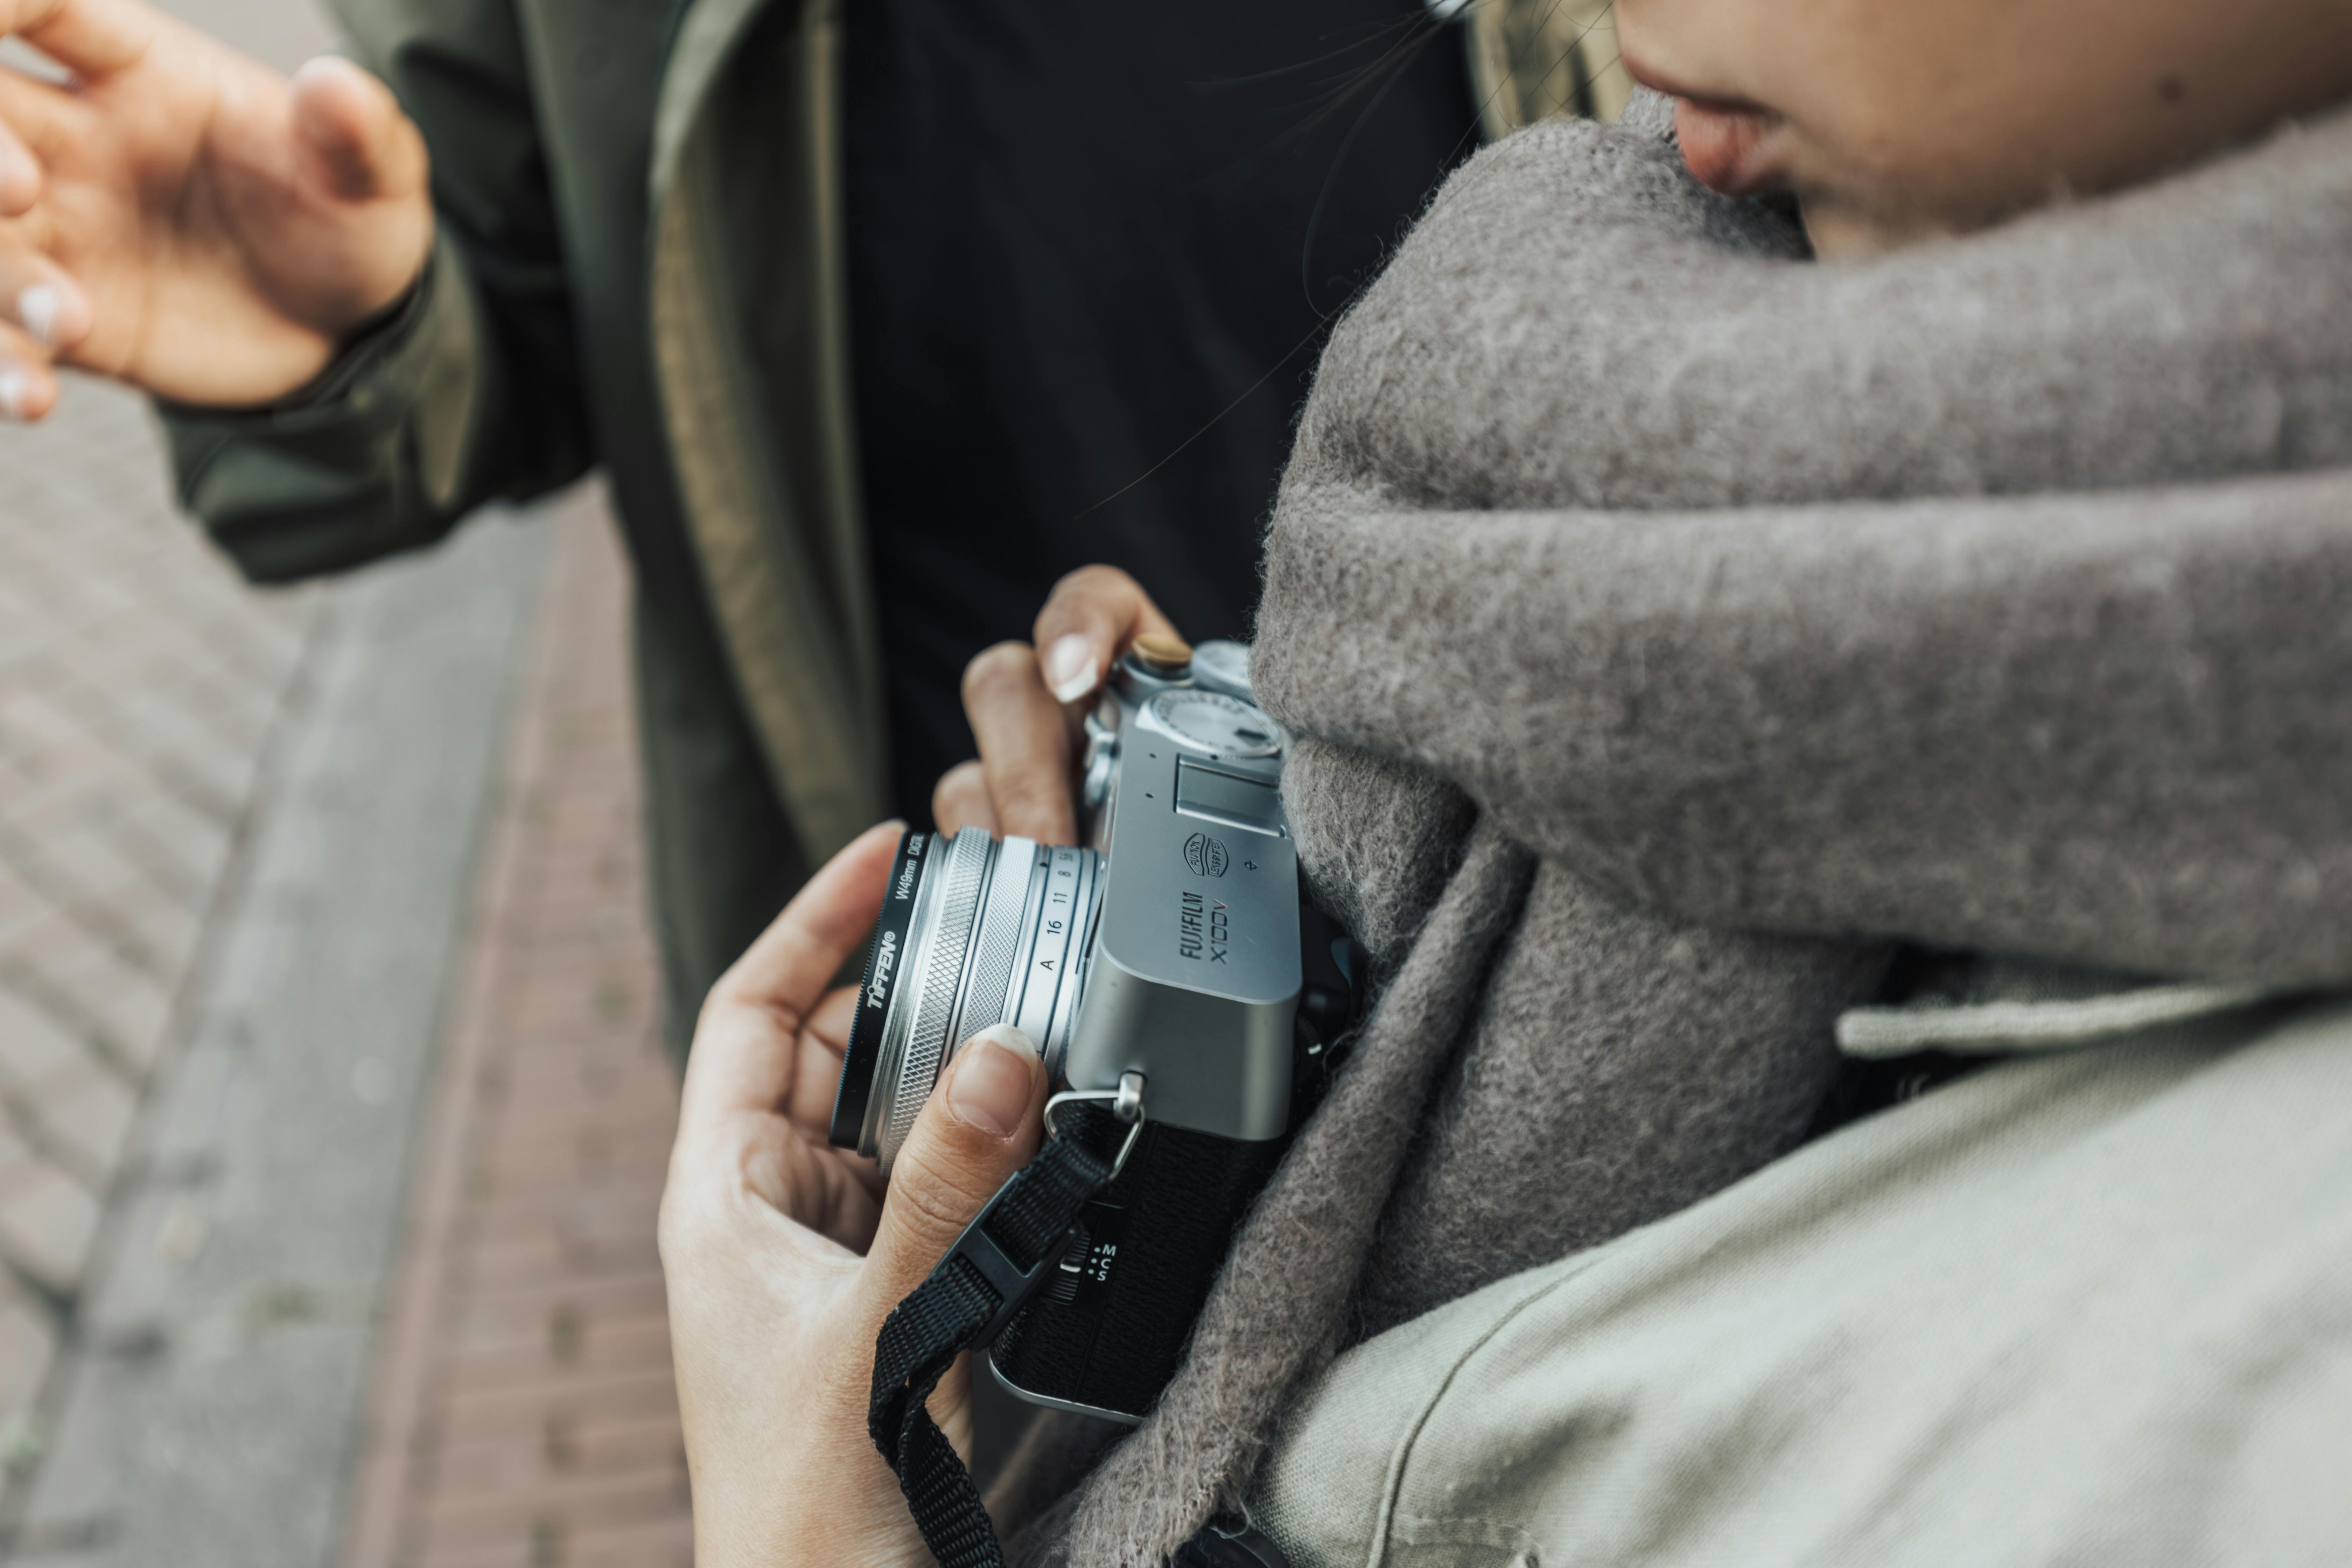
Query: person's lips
x=1728, y=146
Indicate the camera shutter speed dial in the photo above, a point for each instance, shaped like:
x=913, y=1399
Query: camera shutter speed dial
x=1214, y=723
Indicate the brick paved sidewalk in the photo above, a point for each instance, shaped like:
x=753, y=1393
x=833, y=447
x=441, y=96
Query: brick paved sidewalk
x=524, y=1414
x=139, y=682
x=138, y=685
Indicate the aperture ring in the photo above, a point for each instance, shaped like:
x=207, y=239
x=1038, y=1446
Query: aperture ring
x=961, y=880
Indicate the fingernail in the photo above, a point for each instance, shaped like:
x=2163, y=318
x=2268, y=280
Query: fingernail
x=14, y=385
x=990, y=1089
x=1070, y=668
x=38, y=309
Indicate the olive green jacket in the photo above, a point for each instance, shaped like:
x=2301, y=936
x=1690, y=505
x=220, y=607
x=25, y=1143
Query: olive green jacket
x=640, y=264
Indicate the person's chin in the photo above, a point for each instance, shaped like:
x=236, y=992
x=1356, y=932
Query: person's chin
x=1844, y=231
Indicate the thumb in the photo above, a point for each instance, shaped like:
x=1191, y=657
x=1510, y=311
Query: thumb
x=981, y=1125
x=366, y=148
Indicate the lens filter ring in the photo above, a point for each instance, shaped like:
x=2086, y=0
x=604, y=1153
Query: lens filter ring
x=887, y=960
x=961, y=880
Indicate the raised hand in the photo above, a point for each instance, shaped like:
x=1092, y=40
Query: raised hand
x=182, y=218
x=1027, y=705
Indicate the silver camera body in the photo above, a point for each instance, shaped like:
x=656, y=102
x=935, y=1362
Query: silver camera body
x=1173, y=948
x=1194, y=976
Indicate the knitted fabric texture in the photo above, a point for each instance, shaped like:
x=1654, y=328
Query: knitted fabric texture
x=1664, y=619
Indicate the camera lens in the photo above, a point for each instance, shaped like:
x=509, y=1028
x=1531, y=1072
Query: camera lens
x=974, y=930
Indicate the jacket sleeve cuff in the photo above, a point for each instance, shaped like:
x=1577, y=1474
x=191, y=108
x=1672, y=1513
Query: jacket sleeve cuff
x=368, y=459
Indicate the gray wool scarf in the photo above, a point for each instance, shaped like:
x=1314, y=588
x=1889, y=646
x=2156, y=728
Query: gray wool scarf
x=1667, y=622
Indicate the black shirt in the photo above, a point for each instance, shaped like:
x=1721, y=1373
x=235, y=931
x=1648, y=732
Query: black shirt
x=1079, y=234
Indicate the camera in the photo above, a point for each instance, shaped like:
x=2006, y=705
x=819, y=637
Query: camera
x=1177, y=945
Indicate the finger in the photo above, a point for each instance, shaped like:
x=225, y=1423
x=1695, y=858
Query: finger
x=816, y=1082
x=42, y=119
x=28, y=386
x=36, y=296
x=799, y=1177
x=366, y=148
x=1025, y=744
x=89, y=38
x=981, y=1125
x=961, y=801
x=1088, y=620
x=20, y=174
x=746, y=1044
x=816, y=1075
x=792, y=963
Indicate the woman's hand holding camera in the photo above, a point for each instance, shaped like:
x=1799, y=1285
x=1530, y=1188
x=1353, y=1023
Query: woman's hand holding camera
x=183, y=218
x=1026, y=708
x=783, y=1254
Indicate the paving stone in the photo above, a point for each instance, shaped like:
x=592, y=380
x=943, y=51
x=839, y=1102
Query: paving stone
x=33, y=1044
x=48, y=1221
x=617, y=1206
x=462, y=1412
x=19, y=1166
x=71, y=971
x=46, y=744
x=569, y=1340
x=541, y=1550
x=522, y=1308
x=651, y=1493
x=87, y=1109
x=28, y=1339
x=619, y=1443
x=80, y=877
x=666, y=1543
x=20, y=907
x=177, y=846
x=156, y=930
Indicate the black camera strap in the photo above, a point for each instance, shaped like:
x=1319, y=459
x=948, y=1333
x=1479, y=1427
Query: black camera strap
x=1002, y=1260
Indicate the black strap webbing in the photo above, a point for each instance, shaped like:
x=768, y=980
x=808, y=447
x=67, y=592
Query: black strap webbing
x=998, y=1262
